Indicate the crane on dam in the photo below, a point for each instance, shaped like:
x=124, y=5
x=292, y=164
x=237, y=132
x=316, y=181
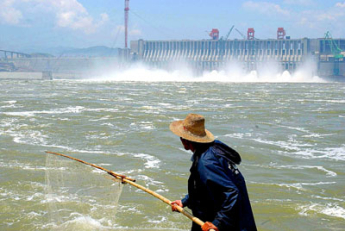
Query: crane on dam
x=335, y=50
x=228, y=34
x=244, y=37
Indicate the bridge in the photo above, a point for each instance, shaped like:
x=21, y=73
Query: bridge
x=6, y=58
x=11, y=54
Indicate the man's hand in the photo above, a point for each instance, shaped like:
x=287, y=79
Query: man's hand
x=209, y=226
x=174, y=203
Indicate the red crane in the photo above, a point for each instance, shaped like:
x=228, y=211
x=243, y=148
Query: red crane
x=280, y=33
x=126, y=21
x=250, y=34
x=214, y=34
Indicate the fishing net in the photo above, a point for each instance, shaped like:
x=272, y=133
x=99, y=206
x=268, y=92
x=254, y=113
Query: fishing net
x=79, y=197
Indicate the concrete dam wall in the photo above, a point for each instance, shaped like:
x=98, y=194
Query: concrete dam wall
x=288, y=54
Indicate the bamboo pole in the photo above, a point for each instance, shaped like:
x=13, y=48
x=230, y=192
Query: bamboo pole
x=131, y=181
x=118, y=176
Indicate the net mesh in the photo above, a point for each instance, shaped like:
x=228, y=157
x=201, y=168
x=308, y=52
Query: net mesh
x=79, y=197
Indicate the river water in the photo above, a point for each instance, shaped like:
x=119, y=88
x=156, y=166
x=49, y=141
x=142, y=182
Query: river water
x=290, y=137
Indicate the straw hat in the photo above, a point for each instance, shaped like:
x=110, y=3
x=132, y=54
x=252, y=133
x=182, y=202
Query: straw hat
x=192, y=128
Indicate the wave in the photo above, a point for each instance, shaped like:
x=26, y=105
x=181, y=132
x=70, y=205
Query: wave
x=300, y=149
x=299, y=186
x=331, y=209
x=11, y=104
x=66, y=110
x=335, y=153
x=151, y=161
x=329, y=173
x=76, y=109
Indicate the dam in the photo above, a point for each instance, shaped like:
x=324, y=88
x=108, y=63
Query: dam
x=326, y=56
x=250, y=54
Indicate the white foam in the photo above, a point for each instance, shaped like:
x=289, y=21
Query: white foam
x=75, y=109
x=151, y=161
x=11, y=104
x=98, y=171
x=10, y=101
x=107, y=124
x=143, y=125
x=298, y=167
x=29, y=137
x=130, y=209
x=186, y=151
x=147, y=125
x=335, y=211
x=158, y=220
x=291, y=145
x=313, y=135
x=34, y=214
x=294, y=128
x=329, y=101
x=104, y=164
x=82, y=222
x=329, y=198
x=31, y=197
x=149, y=180
x=70, y=149
x=25, y=166
x=330, y=209
x=238, y=135
x=337, y=153
x=299, y=186
x=52, y=197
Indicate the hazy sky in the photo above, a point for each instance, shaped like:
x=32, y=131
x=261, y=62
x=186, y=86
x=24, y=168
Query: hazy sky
x=36, y=24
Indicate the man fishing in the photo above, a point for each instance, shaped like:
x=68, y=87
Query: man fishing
x=217, y=191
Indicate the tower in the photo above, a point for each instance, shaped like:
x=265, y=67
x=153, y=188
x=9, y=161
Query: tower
x=126, y=21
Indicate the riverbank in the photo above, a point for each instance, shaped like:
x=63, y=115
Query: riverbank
x=25, y=76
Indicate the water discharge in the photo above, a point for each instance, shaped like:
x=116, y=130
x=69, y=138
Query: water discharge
x=267, y=72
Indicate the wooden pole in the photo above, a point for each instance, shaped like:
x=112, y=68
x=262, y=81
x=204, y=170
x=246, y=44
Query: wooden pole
x=118, y=176
x=131, y=181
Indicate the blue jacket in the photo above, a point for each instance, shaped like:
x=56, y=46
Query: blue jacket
x=217, y=191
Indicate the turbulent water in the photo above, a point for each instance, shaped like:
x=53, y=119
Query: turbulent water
x=290, y=136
